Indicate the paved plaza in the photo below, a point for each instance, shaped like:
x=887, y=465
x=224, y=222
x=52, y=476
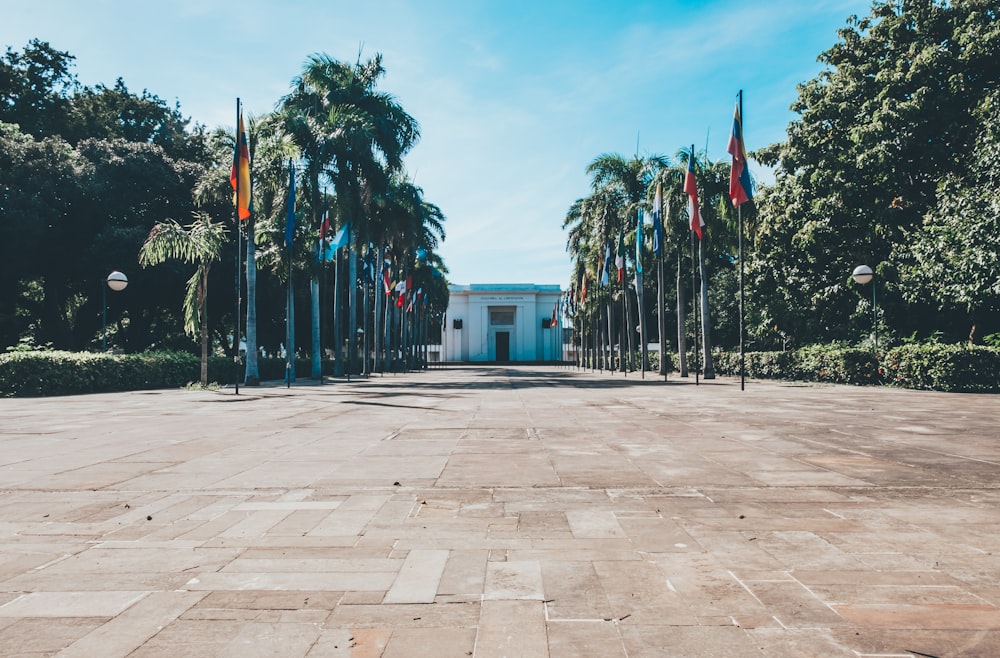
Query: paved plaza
x=502, y=511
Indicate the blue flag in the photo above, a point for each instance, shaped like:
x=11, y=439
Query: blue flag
x=606, y=265
x=658, y=220
x=638, y=251
x=290, y=221
x=340, y=239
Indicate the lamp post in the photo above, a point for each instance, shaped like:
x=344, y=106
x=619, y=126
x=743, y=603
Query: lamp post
x=863, y=274
x=117, y=282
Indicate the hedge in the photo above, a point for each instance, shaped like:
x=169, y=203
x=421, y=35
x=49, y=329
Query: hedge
x=36, y=373
x=930, y=366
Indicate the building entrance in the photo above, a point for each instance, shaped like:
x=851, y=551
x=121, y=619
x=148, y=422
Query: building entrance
x=502, y=323
x=503, y=346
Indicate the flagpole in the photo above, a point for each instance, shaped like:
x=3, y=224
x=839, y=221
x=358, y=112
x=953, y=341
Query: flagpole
x=625, y=337
x=288, y=325
x=694, y=309
x=739, y=214
x=661, y=319
x=352, y=302
x=695, y=296
x=239, y=259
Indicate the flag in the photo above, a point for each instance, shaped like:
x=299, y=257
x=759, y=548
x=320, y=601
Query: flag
x=620, y=256
x=691, y=188
x=240, y=176
x=606, y=264
x=326, y=251
x=324, y=225
x=554, y=322
x=740, y=187
x=323, y=251
x=385, y=276
x=340, y=239
x=638, y=241
x=583, y=290
x=290, y=221
x=658, y=220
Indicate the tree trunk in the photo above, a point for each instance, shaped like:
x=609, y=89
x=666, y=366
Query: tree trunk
x=338, y=363
x=378, y=325
x=352, y=283
x=252, y=377
x=661, y=318
x=681, y=323
x=203, y=303
x=317, y=356
x=706, y=339
x=290, y=347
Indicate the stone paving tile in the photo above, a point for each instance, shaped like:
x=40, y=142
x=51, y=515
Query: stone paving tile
x=501, y=511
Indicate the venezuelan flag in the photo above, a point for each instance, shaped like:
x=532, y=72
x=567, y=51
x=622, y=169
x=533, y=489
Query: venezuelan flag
x=740, y=188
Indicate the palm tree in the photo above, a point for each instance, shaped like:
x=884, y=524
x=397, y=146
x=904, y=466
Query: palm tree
x=200, y=243
x=349, y=133
x=624, y=184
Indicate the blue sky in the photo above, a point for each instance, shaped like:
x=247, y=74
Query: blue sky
x=513, y=97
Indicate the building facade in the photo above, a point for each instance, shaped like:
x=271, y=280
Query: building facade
x=502, y=322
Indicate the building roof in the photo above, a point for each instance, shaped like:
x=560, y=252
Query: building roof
x=503, y=287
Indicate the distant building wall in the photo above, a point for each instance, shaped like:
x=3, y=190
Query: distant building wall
x=502, y=322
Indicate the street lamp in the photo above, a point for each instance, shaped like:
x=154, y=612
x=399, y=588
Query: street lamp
x=863, y=274
x=117, y=282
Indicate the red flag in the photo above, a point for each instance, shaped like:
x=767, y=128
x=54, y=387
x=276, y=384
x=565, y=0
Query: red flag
x=691, y=188
x=239, y=178
x=324, y=225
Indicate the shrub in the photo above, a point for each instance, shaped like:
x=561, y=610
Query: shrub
x=67, y=373
x=933, y=366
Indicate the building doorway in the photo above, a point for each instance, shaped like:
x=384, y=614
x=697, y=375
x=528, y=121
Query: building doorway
x=503, y=320
x=503, y=346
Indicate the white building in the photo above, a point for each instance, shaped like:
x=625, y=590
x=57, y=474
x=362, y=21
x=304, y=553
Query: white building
x=502, y=322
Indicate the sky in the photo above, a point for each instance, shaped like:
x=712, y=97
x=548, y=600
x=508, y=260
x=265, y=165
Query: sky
x=514, y=97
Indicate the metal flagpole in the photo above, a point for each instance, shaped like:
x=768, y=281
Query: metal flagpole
x=661, y=318
x=694, y=308
x=739, y=214
x=239, y=258
x=624, y=336
x=289, y=330
x=338, y=361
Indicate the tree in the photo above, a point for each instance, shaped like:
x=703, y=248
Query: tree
x=35, y=86
x=953, y=258
x=116, y=113
x=352, y=134
x=199, y=244
x=625, y=184
x=890, y=117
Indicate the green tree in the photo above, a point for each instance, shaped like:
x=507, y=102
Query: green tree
x=953, y=258
x=116, y=113
x=200, y=243
x=351, y=134
x=35, y=88
x=891, y=115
